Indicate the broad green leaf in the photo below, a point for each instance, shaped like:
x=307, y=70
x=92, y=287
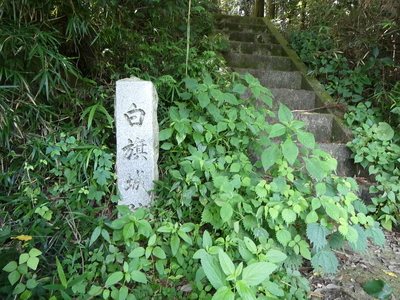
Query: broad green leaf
x=250, y=245
x=244, y=291
x=23, y=258
x=277, y=130
x=175, y=242
x=313, y=167
x=123, y=293
x=224, y=293
x=256, y=273
x=317, y=235
x=226, y=212
x=14, y=277
x=306, y=138
x=378, y=289
x=158, y=252
x=325, y=259
x=128, y=231
x=384, y=131
x=33, y=262
x=239, y=88
x=283, y=236
x=204, y=99
x=333, y=211
x=19, y=288
x=226, y=263
x=95, y=235
x=270, y=155
x=275, y=256
x=312, y=217
x=360, y=245
x=191, y=83
x=284, y=114
x=213, y=270
x=290, y=151
x=11, y=266
x=235, y=168
x=288, y=215
x=34, y=252
x=165, y=134
x=138, y=276
x=207, y=241
x=305, y=250
x=376, y=234
x=230, y=99
x=114, y=278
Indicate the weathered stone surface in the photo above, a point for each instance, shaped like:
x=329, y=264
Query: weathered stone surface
x=137, y=141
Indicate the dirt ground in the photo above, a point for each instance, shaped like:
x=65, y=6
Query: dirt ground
x=358, y=268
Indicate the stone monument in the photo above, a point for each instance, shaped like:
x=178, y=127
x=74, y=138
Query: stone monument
x=137, y=141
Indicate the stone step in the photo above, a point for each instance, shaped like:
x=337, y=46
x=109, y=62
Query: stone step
x=275, y=79
x=229, y=26
x=220, y=18
x=249, y=37
x=257, y=61
x=293, y=99
x=255, y=48
x=320, y=125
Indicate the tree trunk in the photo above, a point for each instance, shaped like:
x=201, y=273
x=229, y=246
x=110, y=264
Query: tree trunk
x=303, y=14
x=271, y=9
x=258, y=10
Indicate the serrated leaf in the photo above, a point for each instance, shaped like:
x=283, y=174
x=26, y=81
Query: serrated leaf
x=226, y=212
x=239, y=88
x=256, y=273
x=288, y=215
x=213, y=270
x=284, y=114
x=360, y=245
x=376, y=234
x=277, y=130
x=306, y=138
x=325, y=259
x=224, y=293
x=290, y=151
x=283, y=236
x=313, y=167
x=226, y=263
x=114, y=278
x=244, y=291
x=333, y=211
x=269, y=156
x=317, y=235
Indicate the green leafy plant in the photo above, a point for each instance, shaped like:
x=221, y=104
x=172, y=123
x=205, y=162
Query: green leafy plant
x=375, y=149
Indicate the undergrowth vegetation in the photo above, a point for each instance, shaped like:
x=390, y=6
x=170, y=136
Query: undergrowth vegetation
x=227, y=222
x=373, y=111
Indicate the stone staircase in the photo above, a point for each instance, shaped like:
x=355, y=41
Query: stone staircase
x=258, y=48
